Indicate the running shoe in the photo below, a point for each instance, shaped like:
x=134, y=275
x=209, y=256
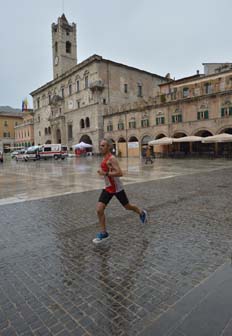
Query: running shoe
x=101, y=236
x=143, y=217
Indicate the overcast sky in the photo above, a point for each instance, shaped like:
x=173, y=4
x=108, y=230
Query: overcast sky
x=154, y=35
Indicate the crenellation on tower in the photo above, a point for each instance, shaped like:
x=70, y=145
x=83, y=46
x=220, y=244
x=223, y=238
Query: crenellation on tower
x=64, y=46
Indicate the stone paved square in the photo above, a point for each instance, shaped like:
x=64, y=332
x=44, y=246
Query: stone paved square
x=54, y=281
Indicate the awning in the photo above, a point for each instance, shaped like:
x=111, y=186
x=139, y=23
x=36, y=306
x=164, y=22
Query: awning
x=223, y=137
x=82, y=145
x=161, y=141
x=191, y=138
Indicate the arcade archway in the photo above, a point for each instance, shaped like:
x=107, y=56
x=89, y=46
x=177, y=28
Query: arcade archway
x=144, y=143
x=85, y=138
x=133, y=147
x=58, y=136
x=203, y=149
x=182, y=147
x=122, y=147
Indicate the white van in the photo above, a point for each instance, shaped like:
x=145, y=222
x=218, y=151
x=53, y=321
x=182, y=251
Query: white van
x=56, y=151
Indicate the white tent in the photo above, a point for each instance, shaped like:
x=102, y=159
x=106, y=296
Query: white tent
x=82, y=145
x=191, y=138
x=161, y=141
x=223, y=137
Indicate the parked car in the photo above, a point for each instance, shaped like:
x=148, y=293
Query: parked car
x=1, y=156
x=32, y=153
x=13, y=154
x=21, y=155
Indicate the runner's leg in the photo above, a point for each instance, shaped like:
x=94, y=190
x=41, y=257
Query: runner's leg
x=103, y=200
x=123, y=199
x=132, y=207
x=101, y=216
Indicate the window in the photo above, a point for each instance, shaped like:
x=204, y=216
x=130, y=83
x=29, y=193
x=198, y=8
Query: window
x=177, y=118
x=46, y=131
x=197, y=91
x=6, y=134
x=120, y=126
x=49, y=99
x=16, y=123
x=86, y=82
x=49, y=130
x=38, y=103
x=110, y=127
x=78, y=86
x=68, y=47
x=104, y=101
x=56, y=47
x=87, y=122
x=132, y=124
x=39, y=133
x=70, y=89
x=78, y=104
x=145, y=122
x=38, y=118
x=208, y=88
x=226, y=111
x=173, y=94
x=202, y=115
x=47, y=149
x=70, y=132
x=163, y=98
x=160, y=120
x=125, y=88
x=185, y=92
x=82, y=123
x=140, y=90
x=5, y=123
x=62, y=92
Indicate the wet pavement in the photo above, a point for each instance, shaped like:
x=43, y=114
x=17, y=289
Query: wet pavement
x=54, y=281
x=22, y=181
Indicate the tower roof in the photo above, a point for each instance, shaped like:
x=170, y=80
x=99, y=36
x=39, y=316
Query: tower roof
x=63, y=18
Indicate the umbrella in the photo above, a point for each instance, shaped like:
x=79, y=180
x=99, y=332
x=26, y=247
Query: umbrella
x=162, y=141
x=82, y=145
x=192, y=138
x=223, y=137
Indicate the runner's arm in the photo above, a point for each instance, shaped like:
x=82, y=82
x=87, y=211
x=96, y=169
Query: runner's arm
x=114, y=168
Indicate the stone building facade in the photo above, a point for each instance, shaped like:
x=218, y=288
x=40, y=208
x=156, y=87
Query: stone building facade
x=71, y=107
x=24, y=131
x=197, y=105
x=8, y=121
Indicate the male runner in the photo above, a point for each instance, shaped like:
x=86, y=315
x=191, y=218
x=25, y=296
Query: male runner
x=112, y=172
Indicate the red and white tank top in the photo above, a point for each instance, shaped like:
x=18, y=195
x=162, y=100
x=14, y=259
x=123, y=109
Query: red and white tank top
x=112, y=184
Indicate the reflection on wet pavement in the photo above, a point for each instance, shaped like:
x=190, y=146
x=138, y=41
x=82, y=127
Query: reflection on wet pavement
x=22, y=181
x=54, y=281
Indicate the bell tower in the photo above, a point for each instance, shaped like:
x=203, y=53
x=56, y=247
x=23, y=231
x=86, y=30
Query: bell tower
x=64, y=46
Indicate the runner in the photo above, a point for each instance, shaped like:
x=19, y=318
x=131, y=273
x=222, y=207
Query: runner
x=112, y=172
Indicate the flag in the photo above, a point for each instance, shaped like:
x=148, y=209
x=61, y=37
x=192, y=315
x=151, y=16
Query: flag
x=24, y=105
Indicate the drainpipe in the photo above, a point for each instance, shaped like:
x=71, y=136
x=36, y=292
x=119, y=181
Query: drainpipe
x=108, y=82
x=126, y=135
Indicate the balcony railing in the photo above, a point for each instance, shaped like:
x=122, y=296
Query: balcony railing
x=97, y=85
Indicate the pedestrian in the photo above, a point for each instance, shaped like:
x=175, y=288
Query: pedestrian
x=148, y=155
x=112, y=172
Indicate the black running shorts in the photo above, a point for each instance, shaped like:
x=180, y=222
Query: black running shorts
x=105, y=197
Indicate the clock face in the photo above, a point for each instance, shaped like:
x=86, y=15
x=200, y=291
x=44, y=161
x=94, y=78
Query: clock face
x=56, y=60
